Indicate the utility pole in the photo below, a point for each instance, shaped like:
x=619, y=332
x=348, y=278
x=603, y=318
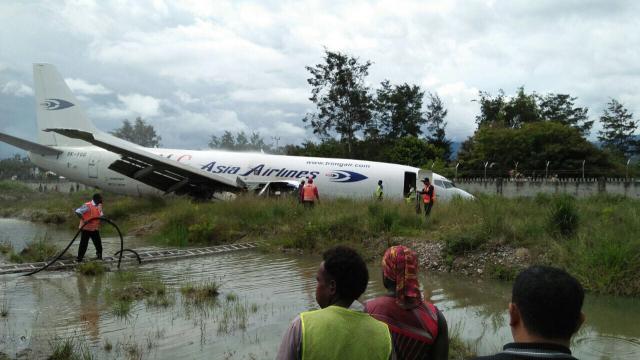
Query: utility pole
x=277, y=140
x=583, y=161
x=546, y=170
x=627, y=173
x=457, y=164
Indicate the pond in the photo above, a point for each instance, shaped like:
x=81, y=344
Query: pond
x=260, y=295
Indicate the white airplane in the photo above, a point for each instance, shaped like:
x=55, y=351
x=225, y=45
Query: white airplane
x=71, y=146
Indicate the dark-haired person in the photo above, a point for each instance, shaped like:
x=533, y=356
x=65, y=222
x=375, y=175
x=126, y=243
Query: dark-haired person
x=418, y=328
x=301, y=191
x=337, y=331
x=379, y=194
x=310, y=193
x=428, y=193
x=545, y=311
x=86, y=212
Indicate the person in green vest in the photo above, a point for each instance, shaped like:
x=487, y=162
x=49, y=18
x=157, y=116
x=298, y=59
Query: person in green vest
x=340, y=329
x=379, y=194
x=411, y=196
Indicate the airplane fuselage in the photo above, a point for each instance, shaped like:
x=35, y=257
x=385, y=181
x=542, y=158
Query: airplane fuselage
x=334, y=177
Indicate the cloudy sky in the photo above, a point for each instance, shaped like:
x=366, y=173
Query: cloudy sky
x=197, y=68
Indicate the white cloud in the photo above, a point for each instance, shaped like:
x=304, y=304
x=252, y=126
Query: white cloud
x=202, y=50
x=198, y=67
x=143, y=105
x=458, y=99
x=83, y=87
x=272, y=95
x=193, y=130
x=16, y=88
x=287, y=129
x=185, y=97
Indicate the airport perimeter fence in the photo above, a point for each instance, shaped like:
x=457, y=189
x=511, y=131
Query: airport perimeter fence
x=579, y=187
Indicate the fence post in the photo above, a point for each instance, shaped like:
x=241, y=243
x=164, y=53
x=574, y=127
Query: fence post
x=602, y=184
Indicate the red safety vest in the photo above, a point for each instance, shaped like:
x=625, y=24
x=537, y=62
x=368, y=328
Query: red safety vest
x=309, y=192
x=94, y=211
x=425, y=197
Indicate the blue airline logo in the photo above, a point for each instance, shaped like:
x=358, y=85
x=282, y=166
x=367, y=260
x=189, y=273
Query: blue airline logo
x=56, y=104
x=342, y=176
x=345, y=176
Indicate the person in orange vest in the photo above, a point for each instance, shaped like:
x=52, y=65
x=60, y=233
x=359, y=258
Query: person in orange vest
x=310, y=193
x=91, y=229
x=428, y=196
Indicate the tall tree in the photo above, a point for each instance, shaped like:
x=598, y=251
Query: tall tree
x=436, y=125
x=242, y=142
x=531, y=146
x=618, y=128
x=561, y=108
x=342, y=99
x=239, y=142
x=491, y=109
x=500, y=111
x=140, y=133
x=399, y=110
x=521, y=109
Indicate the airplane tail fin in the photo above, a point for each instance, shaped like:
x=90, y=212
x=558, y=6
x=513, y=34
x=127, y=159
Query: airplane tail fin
x=56, y=107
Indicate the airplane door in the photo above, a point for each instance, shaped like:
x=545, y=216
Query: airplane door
x=409, y=182
x=93, y=168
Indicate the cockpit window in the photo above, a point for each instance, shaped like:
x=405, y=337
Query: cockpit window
x=448, y=184
x=438, y=183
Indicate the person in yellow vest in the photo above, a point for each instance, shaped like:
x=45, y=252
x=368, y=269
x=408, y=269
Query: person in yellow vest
x=379, y=194
x=340, y=329
x=411, y=195
x=310, y=193
x=86, y=212
x=428, y=196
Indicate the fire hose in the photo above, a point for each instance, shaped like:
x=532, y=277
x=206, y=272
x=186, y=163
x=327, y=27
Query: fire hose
x=118, y=253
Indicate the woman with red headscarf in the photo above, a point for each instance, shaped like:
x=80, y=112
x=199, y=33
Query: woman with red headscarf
x=418, y=328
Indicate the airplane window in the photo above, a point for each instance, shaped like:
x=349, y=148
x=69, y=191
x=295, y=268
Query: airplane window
x=448, y=184
x=438, y=183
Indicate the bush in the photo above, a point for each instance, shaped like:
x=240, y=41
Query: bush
x=91, y=268
x=563, y=219
x=199, y=293
x=460, y=242
x=35, y=251
x=502, y=272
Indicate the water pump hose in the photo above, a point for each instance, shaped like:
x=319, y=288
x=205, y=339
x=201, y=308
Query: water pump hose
x=101, y=218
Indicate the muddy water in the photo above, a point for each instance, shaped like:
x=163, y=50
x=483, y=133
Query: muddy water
x=271, y=290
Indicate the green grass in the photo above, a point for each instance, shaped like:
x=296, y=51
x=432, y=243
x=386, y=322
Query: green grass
x=200, y=293
x=14, y=188
x=4, y=309
x=596, y=239
x=5, y=247
x=69, y=349
x=127, y=287
x=39, y=249
x=91, y=268
x=458, y=348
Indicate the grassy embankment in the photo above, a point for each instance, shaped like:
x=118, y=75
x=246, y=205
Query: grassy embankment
x=596, y=239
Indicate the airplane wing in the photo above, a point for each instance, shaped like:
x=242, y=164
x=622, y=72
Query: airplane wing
x=164, y=174
x=29, y=145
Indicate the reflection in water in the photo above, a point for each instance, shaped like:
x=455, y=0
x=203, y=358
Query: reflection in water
x=271, y=289
x=89, y=289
